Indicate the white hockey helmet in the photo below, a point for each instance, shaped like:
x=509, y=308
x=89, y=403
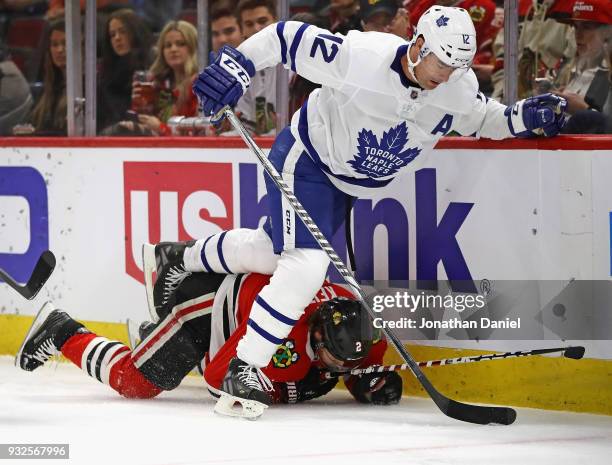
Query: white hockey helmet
x=449, y=34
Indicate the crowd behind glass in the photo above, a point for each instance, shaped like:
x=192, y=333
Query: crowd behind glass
x=147, y=63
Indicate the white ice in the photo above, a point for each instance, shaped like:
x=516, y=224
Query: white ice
x=60, y=404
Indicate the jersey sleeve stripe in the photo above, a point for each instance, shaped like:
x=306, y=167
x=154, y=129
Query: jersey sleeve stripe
x=263, y=333
x=220, y=252
x=203, y=255
x=275, y=313
x=280, y=29
x=296, y=43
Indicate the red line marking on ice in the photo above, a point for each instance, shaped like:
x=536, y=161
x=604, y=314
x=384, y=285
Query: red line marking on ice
x=387, y=451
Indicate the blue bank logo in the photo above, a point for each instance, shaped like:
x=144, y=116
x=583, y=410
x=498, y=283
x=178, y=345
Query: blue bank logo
x=27, y=183
x=381, y=158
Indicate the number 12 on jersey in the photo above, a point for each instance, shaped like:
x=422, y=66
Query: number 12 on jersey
x=320, y=42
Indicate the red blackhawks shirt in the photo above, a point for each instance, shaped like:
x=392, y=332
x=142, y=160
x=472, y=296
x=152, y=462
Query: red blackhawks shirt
x=293, y=358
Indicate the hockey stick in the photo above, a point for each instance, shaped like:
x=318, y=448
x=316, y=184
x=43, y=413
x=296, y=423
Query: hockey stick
x=43, y=269
x=575, y=353
x=452, y=408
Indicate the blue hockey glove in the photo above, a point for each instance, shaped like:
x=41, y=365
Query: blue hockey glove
x=542, y=114
x=224, y=81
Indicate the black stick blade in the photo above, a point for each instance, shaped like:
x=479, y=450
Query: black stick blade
x=574, y=352
x=480, y=415
x=43, y=269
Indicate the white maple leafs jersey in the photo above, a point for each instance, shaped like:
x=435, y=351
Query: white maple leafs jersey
x=368, y=122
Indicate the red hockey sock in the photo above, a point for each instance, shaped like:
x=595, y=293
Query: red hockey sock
x=110, y=363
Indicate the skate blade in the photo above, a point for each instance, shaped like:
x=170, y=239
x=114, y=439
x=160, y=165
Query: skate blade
x=39, y=319
x=149, y=266
x=248, y=409
x=133, y=336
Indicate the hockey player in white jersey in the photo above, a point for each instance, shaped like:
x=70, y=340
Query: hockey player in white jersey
x=382, y=107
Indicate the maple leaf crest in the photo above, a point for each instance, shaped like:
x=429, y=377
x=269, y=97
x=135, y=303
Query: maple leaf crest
x=377, y=159
x=442, y=21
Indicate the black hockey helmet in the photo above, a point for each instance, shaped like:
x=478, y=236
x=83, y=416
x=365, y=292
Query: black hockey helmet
x=346, y=328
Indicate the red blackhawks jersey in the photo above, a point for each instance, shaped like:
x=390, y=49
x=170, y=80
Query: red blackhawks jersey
x=293, y=358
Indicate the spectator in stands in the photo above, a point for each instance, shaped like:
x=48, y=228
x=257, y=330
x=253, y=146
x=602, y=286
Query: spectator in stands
x=224, y=26
x=156, y=13
x=257, y=108
x=344, y=16
x=30, y=7
x=583, y=80
x=586, y=80
x=126, y=48
x=384, y=16
x=607, y=108
x=173, y=71
x=254, y=15
x=56, y=7
x=49, y=114
x=15, y=97
x=543, y=44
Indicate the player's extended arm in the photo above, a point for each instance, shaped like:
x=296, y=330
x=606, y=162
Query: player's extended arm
x=533, y=116
x=313, y=385
x=314, y=53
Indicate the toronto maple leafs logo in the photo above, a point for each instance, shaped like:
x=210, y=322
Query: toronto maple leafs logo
x=442, y=21
x=377, y=159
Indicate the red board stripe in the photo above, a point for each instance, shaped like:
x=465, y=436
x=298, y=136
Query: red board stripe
x=555, y=143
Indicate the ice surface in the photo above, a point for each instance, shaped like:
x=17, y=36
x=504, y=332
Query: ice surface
x=61, y=404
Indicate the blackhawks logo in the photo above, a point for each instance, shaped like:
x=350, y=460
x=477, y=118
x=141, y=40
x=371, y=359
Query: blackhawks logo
x=477, y=13
x=285, y=354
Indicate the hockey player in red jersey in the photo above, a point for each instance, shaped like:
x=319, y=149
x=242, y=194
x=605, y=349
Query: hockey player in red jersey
x=200, y=323
x=334, y=334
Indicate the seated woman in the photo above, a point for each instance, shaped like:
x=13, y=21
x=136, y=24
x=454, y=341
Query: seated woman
x=173, y=71
x=126, y=49
x=49, y=114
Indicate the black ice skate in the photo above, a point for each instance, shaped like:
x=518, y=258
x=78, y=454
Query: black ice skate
x=138, y=333
x=49, y=331
x=246, y=385
x=166, y=261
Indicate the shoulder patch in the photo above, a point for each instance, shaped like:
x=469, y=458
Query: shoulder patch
x=285, y=354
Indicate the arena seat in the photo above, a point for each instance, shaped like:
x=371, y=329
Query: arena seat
x=26, y=42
